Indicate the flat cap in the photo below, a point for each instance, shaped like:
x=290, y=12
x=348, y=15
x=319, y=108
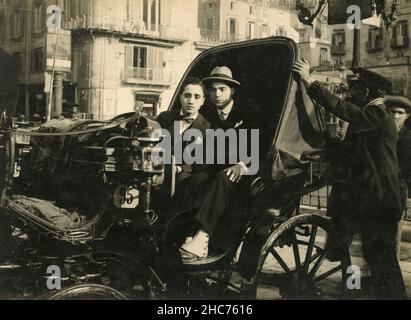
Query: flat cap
x=398, y=102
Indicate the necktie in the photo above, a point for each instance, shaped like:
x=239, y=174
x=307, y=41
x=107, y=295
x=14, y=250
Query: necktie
x=185, y=123
x=189, y=120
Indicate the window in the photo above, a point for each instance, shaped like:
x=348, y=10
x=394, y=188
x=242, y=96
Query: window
x=210, y=5
x=323, y=56
x=232, y=28
x=151, y=14
x=16, y=23
x=145, y=63
x=210, y=23
x=232, y=5
x=252, y=10
x=281, y=32
x=400, y=35
x=250, y=30
x=264, y=31
x=375, y=38
x=139, y=57
x=338, y=38
x=401, y=29
x=38, y=17
x=37, y=60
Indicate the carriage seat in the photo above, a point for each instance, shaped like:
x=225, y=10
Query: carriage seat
x=47, y=217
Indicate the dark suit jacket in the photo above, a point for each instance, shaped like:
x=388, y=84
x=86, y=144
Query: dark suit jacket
x=404, y=154
x=239, y=118
x=166, y=120
x=367, y=176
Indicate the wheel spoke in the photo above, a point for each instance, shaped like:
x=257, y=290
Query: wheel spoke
x=310, y=249
x=327, y=274
x=296, y=253
x=317, y=265
x=279, y=260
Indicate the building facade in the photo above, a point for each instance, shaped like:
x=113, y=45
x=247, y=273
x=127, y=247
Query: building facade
x=128, y=52
x=114, y=55
x=225, y=21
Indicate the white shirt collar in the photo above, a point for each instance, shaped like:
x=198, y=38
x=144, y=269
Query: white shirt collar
x=227, y=109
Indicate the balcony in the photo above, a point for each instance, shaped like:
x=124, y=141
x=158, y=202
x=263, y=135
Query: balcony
x=325, y=65
x=384, y=61
x=375, y=46
x=147, y=76
x=215, y=36
x=338, y=50
x=124, y=26
x=400, y=42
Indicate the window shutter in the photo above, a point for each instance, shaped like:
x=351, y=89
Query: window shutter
x=160, y=60
x=129, y=56
x=151, y=52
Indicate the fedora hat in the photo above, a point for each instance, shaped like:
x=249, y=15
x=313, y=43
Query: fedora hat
x=398, y=102
x=223, y=74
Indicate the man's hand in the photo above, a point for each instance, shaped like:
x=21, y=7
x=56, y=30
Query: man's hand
x=302, y=68
x=234, y=173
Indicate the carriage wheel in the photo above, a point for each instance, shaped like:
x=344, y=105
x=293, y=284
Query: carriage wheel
x=293, y=263
x=88, y=292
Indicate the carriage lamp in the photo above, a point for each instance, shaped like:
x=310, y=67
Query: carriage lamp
x=152, y=160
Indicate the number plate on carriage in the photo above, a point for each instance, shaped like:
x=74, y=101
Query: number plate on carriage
x=126, y=197
x=22, y=139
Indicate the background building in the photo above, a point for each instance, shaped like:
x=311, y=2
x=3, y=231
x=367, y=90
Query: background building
x=114, y=54
x=384, y=51
x=23, y=35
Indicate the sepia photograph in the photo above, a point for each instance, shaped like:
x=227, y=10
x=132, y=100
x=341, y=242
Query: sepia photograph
x=210, y=150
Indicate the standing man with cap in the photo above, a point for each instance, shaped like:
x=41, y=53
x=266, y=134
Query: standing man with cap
x=400, y=107
x=366, y=188
x=218, y=224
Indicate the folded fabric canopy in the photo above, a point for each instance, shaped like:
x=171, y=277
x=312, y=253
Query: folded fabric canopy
x=303, y=130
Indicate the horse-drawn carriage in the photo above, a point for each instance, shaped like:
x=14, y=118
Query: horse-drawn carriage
x=78, y=196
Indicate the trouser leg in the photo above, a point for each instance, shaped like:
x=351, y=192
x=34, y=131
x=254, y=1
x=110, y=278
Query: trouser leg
x=215, y=202
x=379, y=245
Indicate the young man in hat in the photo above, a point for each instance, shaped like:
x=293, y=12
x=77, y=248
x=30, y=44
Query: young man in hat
x=366, y=188
x=219, y=225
